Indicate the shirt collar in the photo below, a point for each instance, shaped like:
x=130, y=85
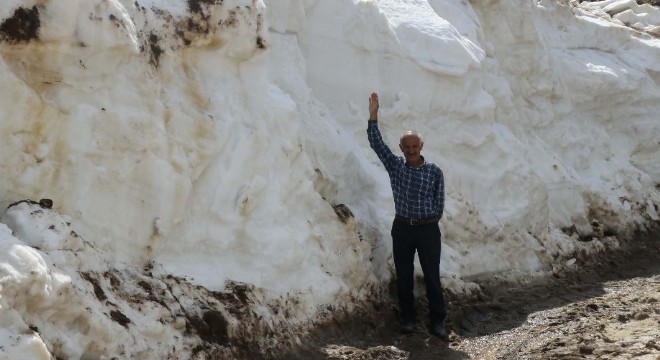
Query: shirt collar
x=416, y=167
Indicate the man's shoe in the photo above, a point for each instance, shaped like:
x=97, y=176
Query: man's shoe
x=439, y=331
x=407, y=326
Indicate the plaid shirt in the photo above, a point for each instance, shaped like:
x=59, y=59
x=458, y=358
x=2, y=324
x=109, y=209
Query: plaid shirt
x=419, y=193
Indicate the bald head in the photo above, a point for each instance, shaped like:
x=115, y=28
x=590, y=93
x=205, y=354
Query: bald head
x=410, y=133
x=411, y=145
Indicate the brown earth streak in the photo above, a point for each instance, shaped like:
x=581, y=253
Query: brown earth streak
x=608, y=308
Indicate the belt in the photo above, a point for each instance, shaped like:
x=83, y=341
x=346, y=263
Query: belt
x=405, y=220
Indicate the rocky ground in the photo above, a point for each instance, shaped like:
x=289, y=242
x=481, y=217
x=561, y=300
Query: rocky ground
x=608, y=308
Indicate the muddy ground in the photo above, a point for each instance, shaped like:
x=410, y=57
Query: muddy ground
x=609, y=308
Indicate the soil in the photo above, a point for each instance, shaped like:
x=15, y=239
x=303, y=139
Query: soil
x=608, y=308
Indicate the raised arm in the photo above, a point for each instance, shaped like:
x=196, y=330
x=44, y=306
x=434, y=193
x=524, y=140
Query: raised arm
x=375, y=139
x=373, y=107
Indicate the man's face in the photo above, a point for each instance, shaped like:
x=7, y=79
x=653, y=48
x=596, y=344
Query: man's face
x=411, y=147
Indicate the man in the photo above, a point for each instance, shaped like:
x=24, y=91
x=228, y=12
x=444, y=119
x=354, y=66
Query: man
x=419, y=191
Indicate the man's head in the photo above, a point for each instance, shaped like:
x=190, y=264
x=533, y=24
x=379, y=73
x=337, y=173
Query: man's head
x=411, y=145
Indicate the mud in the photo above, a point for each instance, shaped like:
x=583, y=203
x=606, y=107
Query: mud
x=23, y=26
x=195, y=6
x=156, y=50
x=197, y=27
x=607, y=308
x=120, y=318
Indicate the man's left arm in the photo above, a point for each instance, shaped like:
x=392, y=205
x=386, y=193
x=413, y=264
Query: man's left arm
x=440, y=192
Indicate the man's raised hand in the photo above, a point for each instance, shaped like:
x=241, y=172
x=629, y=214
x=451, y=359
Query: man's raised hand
x=373, y=106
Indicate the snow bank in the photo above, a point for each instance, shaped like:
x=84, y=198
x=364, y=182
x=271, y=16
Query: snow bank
x=222, y=144
x=60, y=296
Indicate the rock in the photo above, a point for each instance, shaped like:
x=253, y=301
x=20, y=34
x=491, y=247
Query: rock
x=586, y=349
x=641, y=316
x=652, y=345
x=571, y=262
x=608, y=340
x=46, y=203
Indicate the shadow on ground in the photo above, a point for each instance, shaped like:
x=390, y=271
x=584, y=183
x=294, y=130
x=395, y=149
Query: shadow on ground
x=374, y=334
x=373, y=337
x=502, y=307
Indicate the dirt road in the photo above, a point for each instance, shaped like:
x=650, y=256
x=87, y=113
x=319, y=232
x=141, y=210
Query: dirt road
x=608, y=309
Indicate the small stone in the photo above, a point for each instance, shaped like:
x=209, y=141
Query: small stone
x=641, y=316
x=46, y=203
x=608, y=340
x=593, y=307
x=586, y=349
x=622, y=318
x=571, y=262
x=652, y=345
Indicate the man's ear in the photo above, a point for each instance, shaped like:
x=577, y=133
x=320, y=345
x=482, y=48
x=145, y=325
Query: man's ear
x=421, y=145
x=400, y=147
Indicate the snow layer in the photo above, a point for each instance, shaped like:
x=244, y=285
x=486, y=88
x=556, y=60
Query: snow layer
x=224, y=142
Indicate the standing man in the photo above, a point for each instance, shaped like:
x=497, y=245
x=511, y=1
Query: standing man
x=419, y=196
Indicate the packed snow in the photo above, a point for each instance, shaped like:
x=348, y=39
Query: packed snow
x=211, y=179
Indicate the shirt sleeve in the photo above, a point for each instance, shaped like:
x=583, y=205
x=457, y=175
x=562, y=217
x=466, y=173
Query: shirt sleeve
x=440, y=195
x=380, y=148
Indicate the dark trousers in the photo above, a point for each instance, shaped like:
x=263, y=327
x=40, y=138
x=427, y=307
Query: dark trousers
x=425, y=239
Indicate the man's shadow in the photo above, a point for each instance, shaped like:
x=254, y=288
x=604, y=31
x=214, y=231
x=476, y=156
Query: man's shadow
x=374, y=326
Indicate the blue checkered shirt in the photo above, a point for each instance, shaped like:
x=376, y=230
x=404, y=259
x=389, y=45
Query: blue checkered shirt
x=419, y=193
